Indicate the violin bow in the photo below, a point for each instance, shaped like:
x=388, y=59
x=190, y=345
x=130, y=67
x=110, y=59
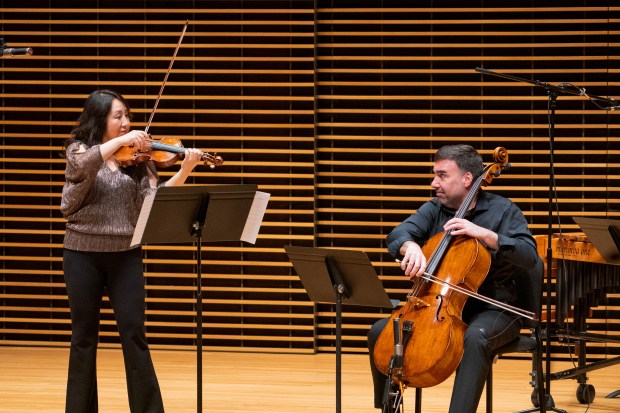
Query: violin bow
x=161, y=90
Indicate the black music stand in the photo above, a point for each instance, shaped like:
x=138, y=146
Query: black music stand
x=340, y=277
x=605, y=236
x=187, y=214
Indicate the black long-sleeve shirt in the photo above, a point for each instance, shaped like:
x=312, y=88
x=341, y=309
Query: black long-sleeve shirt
x=517, y=247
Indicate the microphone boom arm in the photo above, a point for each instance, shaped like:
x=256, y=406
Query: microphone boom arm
x=558, y=89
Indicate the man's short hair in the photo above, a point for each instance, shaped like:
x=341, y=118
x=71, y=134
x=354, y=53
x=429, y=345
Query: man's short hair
x=465, y=157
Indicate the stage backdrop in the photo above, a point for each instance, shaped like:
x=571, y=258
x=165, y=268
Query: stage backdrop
x=335, y=108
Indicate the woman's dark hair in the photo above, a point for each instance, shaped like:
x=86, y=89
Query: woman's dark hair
x=92, y=123
x=465, y=157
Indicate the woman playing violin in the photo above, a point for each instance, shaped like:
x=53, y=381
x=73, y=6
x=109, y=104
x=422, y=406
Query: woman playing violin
x=101, y=203
x=501, y=227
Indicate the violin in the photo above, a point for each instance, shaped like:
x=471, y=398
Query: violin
x=429, y=324
x=163, y=152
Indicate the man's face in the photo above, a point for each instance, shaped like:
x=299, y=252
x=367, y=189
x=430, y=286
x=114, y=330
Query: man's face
x=451, y=185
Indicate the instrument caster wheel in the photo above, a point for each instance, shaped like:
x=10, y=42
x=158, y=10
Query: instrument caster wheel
x=585, y=393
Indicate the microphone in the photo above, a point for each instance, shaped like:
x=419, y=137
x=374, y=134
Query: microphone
x=398, y=345
x=17, y=51
x=612, y=108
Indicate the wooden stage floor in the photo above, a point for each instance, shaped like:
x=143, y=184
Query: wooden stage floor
x=32, y=379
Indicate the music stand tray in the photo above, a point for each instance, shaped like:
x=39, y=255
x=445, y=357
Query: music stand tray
x=169, y=215
x=359, y=277
x=340, y=277
x=605, y=236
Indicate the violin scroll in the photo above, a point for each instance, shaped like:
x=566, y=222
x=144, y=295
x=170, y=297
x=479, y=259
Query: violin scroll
x=212, y=159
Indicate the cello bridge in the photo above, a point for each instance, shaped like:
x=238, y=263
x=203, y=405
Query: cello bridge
x=417, y=302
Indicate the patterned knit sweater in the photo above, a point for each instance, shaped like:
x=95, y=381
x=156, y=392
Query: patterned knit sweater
x=101, y=205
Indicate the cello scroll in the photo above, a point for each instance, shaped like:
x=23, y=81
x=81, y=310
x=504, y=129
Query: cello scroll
x=500, y=158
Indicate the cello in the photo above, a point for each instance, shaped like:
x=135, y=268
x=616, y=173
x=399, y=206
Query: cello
x=431, y=315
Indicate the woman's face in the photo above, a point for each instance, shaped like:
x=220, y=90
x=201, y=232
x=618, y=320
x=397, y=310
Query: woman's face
x=118, y=121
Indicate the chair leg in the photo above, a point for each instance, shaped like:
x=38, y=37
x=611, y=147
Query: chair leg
x=538, y=385
x=544, y=403
x=489, y=390
x=418, y=400
x=538, y=376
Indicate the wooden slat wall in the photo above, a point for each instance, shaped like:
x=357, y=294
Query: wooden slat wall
x=335, y=111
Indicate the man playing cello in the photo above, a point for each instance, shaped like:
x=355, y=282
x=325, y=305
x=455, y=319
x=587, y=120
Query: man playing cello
x=499, y=225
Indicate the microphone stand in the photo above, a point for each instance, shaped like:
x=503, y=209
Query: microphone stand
x=394, y=386
x=553, y=91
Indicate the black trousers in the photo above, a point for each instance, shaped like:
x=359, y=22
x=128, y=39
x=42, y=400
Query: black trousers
x=87, y=275
x=488, y=330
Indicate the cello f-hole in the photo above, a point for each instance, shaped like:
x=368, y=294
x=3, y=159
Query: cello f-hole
x=440, y=298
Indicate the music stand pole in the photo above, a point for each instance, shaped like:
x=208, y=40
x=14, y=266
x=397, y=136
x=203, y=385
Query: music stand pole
x=331, y=276
x=178, y=214
x=199, y=327
x=196, y=231
x=342, y=291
